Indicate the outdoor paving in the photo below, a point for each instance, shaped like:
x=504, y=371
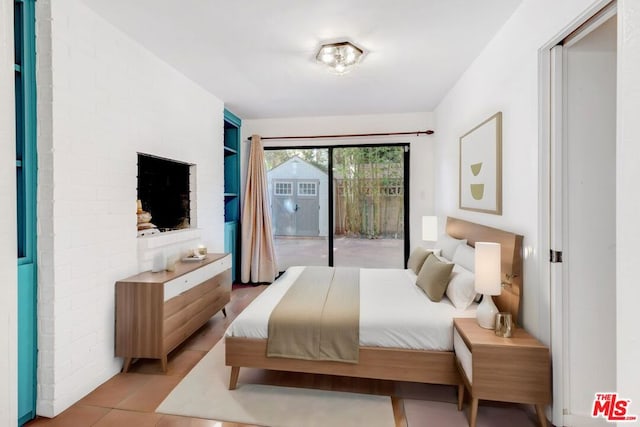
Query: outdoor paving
x=352, y=252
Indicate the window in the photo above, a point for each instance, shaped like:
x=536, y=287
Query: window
x=283, y=189
x=24, y=70
x=307, y=189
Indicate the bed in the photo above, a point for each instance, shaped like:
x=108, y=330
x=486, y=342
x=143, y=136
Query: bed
x=389, y=349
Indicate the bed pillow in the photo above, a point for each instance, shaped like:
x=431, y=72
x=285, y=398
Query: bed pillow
x=448, y=245
x=434, y=277
x=465, y=256
x=417, y=258
x=461, y=289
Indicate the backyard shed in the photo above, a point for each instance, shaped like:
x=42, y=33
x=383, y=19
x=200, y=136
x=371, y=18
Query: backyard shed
x=298, y=198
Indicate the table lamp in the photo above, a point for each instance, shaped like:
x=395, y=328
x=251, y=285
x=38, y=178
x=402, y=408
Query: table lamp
x=487, y=281
x=430, y=228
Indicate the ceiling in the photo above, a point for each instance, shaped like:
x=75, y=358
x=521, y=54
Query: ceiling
x=258, y=56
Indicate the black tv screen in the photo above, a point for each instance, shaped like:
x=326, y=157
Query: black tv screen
x=163, y=189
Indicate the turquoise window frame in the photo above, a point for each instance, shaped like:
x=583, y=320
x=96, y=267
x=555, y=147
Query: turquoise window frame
x=26, y=175
x=26, y=156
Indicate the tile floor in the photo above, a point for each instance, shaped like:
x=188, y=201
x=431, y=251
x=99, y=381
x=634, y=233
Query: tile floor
x=129, y=400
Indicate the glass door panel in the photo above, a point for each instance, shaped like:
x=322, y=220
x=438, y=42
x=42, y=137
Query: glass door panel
x=369, y=206
x=298, y=185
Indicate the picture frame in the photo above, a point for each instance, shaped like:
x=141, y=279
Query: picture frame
x=480, y=172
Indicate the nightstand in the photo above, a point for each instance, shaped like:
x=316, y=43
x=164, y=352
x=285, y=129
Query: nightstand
x=515, y=369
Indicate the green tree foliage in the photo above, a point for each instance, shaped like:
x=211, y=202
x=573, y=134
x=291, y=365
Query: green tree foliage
x=316, y=156
x=369, y=181
x=367, y=176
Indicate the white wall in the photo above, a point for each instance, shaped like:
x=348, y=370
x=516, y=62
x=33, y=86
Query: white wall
x=103, y=98
x=421, y=184
x=505, y=78
x=628, y=203
x=8, y=263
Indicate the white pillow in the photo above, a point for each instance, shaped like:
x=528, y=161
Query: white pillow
x=448, y=245
x=465, y=256
x=461, y=290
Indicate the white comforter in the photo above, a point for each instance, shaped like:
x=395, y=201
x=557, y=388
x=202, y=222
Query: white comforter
x=394, y=312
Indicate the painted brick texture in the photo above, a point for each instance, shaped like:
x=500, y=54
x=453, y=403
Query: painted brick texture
x=102, y=99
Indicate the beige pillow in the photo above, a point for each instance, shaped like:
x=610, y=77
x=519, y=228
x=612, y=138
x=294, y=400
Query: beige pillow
x=417, y=258
x=434, y=277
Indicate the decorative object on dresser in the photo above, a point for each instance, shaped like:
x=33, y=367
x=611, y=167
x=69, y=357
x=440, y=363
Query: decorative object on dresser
x=155, y=312
x=515, y=369
x=504, y=325
x=487, y=283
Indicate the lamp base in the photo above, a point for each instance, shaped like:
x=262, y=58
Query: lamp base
x=486, y=313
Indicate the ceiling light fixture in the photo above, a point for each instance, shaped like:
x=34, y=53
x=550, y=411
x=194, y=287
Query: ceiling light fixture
x=339, y=57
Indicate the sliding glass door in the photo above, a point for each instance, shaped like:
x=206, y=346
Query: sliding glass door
x=364, y=189
x=298, y=183
x=369, y=206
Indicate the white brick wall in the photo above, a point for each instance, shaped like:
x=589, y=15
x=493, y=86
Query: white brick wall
x=102, y=99
x=8, y=270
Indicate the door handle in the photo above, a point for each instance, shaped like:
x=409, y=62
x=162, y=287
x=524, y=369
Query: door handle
x=296, y=207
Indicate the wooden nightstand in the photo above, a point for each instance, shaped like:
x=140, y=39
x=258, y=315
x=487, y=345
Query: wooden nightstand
x=515, y=369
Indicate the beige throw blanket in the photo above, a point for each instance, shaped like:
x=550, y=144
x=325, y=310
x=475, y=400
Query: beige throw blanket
x=319, y=317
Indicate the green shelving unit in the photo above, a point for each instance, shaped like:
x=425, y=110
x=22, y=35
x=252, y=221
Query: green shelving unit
x=232, y=125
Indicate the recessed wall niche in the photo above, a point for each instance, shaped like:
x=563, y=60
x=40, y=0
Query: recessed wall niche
x=164, y=192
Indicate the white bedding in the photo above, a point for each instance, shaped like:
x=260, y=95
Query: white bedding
x=394, y=312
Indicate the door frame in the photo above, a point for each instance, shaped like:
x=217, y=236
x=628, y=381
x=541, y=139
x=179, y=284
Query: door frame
x=550, y=184
x=26, y=192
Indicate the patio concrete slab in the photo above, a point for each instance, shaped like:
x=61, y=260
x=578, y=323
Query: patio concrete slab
x=347, y=251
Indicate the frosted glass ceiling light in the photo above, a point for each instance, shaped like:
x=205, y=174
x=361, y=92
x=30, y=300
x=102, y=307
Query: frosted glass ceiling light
x=339, y=57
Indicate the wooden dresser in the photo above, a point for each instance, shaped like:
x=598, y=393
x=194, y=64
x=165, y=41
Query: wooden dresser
x=155, y=312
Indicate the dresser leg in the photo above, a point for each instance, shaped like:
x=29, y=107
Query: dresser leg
x=542, y=417
x=126, y=365
x=233, y=379
x=473, y=412
x=460, y=396
x=224, y=311
x=163, y=362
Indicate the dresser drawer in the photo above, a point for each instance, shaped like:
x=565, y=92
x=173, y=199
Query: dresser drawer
x=173, y=322
x=463, y=354
x=175, y=287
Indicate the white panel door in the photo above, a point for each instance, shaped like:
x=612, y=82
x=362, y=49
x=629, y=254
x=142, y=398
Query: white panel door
x=583, y=218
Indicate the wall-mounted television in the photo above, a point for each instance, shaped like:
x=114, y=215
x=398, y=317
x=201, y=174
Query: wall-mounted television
x=164, y=193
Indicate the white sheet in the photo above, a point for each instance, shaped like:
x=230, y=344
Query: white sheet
x=394, y=312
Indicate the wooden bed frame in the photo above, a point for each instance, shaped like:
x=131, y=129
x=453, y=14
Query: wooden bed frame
x=436, y=367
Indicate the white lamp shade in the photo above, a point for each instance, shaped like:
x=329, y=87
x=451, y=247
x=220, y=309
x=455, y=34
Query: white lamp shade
x=430, y=228
x=487, y=274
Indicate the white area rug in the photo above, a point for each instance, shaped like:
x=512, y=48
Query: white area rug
x=203, y=393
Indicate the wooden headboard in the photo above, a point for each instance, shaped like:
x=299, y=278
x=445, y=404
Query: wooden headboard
x=511, y=254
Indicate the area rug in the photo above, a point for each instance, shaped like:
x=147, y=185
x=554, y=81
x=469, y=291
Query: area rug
x=203, y=393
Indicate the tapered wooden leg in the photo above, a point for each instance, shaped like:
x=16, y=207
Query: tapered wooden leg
x=460, y=396
x=163, y=362
x=126, y=364
x=224, y=311
x=473, y=412
x=233, y=379
x=542, y=417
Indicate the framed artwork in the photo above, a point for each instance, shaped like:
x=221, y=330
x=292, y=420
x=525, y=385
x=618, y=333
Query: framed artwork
x=481, y=167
